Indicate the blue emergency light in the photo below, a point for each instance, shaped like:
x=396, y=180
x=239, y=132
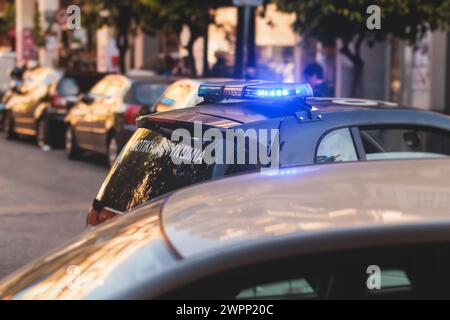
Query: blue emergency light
x=251, y=90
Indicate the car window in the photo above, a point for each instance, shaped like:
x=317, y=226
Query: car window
x=400, y=272
x=389, y=279
x=145, y=169
x=145, y=93
x=405, y=142
x=68, y=87
x=337, y=146
x=278, y=289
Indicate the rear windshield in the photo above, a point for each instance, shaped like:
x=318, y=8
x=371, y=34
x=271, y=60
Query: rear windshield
x=145, y=170
x=72, y=85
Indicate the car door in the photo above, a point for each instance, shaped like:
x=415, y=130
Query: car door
x=103, y=112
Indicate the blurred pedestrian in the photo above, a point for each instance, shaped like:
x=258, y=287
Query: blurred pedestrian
x=313, y=75
x=183, y=68
x=220, y=68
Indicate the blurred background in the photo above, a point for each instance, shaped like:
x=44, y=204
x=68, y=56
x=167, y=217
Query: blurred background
x=276, y=40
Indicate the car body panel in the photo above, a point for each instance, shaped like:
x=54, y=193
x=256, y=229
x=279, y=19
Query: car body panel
x=182, y=94
x=96, y=263
x=209, y=217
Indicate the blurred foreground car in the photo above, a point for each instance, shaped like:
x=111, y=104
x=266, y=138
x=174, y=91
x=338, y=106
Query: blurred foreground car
x=311, y=130
x=311, y=232
x=104, y=119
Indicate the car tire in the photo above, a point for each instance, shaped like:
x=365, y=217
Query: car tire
x=42, y=133
x=73, y=152
x=8, y=127
x=112, y=150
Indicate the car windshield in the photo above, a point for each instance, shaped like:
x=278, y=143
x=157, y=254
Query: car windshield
x=146, y=170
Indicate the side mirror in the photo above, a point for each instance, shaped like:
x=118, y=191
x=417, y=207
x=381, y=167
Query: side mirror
x=87, y=99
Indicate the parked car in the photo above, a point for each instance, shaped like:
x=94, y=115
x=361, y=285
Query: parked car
x=312, y=232
x=310, y=131
x=182, y=94
x=39, y=106
x=104, y=119
x=21, y=106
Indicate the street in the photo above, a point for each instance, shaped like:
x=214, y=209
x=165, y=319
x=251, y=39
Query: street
x=44, y=200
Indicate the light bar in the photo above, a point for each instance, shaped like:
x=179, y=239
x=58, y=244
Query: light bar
x=278, y=90
x=251, y=90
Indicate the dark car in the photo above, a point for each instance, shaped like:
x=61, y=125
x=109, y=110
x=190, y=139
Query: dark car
x=366, y=230
x=309, y=131
x=39, y=106
x=104, y=119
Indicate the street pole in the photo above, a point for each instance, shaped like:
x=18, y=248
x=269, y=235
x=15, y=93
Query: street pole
x=247, y=7
x=247, y=12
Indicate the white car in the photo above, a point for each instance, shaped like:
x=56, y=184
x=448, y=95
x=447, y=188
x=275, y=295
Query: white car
x=182, y=94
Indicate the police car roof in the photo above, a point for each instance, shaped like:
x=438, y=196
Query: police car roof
x=305, y=200
x=234, y=113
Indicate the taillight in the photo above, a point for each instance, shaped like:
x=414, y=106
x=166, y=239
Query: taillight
x=58, y=102
x=94, y=217
x=131, y=113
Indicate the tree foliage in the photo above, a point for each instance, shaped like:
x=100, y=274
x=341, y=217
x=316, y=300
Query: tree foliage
x=7, y=19
x=329, y=20
x=196, y=15
x=152, y=16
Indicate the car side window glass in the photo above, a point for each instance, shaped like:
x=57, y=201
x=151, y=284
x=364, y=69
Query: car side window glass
x=337, y=146
x=405, y=142
x=294, y=287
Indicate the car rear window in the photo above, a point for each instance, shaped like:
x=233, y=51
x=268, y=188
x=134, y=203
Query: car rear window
x=72, y=84
x=68, y=87
x=145, y=93
x=145, y=170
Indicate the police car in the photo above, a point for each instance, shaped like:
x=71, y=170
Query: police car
x=268, y=125
x=367, y=230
